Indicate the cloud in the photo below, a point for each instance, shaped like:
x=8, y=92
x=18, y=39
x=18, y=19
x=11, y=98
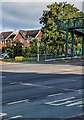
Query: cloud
x=42, y=0
x=22, y=15
x=5, y=29
x=25, y=15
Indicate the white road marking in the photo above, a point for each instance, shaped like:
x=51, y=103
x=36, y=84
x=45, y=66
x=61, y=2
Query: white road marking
x=2, y=114
x=73, y=116
x=29, y=84
x=73, y=90
x=80, y=106
x=16, y=102
x=80, y=91
x=60, y=100
x=60, y=103
x=36, y=85
x=64, y=103
x=55, y=94
x=76, y=103
x=18, y=116
x=13, y=83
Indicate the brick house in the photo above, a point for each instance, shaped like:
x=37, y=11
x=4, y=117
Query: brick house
x=24, y=36
x=16, y=35
x=3, y=36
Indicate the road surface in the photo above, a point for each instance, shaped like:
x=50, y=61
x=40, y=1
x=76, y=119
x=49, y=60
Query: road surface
x=42, y=90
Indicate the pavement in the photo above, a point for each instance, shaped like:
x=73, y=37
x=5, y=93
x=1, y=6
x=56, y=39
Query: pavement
x=40, y=90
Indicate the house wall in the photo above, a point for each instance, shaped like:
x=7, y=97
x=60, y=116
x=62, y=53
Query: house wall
x=40, y=34
x=1, y=45
x=26, y=43
x=18, y=37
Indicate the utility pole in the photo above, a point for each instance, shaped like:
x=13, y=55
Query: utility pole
x=38, y=45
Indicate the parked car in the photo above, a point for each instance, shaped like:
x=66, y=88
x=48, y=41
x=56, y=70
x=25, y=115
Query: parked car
x=4, y=55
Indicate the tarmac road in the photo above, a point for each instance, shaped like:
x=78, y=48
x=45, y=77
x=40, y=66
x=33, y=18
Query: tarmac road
x=42, y=90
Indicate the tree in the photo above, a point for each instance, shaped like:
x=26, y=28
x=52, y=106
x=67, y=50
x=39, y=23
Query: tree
x=33, y=47
x=17, y=48
x=14, y=49
x=8, y=48
x=25, y=51
x=56, y=38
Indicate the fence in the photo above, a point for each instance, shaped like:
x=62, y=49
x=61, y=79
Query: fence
x=50, y=57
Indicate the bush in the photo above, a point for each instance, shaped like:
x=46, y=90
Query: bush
x=19, y=58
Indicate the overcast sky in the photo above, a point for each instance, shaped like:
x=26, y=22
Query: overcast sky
x=25, y=15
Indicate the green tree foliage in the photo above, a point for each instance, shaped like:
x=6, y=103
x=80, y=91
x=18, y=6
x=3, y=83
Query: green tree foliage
x=17, y=48
x=56, y=38
x=13, y=48
x=25, y=51
x=3, y=49
x=33, y=47
x=8, y=48
x=41, y=47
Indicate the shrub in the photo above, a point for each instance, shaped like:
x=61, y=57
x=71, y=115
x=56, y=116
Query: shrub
x=19, y=58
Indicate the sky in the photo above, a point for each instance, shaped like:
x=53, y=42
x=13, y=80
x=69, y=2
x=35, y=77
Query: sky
x=17, y=14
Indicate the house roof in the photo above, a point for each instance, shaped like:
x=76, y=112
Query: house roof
x=24, y=33
x=29, y=33
x=5, y=34
x=12, y=35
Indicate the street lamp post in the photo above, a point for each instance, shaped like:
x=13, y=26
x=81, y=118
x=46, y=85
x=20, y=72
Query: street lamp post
x=38, y=44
